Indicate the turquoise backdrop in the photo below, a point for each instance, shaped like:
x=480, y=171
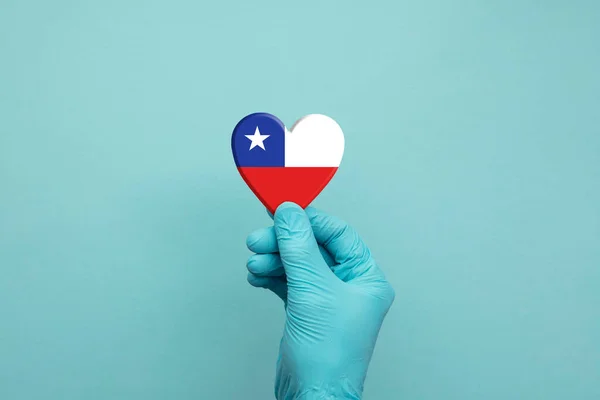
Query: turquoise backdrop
x=472, y=169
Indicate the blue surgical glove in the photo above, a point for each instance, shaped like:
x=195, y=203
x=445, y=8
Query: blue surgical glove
x=335, y=296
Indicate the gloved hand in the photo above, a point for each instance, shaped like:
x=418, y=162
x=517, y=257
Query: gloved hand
x=335, y=295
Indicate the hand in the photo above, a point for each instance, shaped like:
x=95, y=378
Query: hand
x=335, y=296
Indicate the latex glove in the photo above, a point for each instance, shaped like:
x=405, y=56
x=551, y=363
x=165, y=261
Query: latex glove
x=336, y=299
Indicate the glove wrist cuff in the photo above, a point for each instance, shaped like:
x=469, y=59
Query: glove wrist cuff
x=342, y=389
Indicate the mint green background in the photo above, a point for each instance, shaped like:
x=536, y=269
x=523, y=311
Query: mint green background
x=472, y=169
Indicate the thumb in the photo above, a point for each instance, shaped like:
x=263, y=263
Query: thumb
x=298, y=247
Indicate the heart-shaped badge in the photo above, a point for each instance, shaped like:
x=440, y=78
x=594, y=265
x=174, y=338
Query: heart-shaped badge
x=280, y=165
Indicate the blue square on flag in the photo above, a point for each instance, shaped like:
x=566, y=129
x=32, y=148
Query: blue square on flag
x=259, y=141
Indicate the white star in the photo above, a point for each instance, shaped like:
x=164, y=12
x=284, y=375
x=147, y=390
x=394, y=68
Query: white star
x=257, y=139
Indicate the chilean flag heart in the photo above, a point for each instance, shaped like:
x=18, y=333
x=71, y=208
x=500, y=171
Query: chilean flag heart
x=280, y=165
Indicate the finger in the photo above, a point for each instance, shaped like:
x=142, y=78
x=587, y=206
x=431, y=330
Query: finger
x=298, y=247
x=338, y=238
x=264, y=241
x=277, y=285
x=343, y=243
x=271, y=265
x=265, y=265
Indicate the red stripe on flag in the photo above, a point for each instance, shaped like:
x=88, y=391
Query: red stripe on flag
x=275, y=185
